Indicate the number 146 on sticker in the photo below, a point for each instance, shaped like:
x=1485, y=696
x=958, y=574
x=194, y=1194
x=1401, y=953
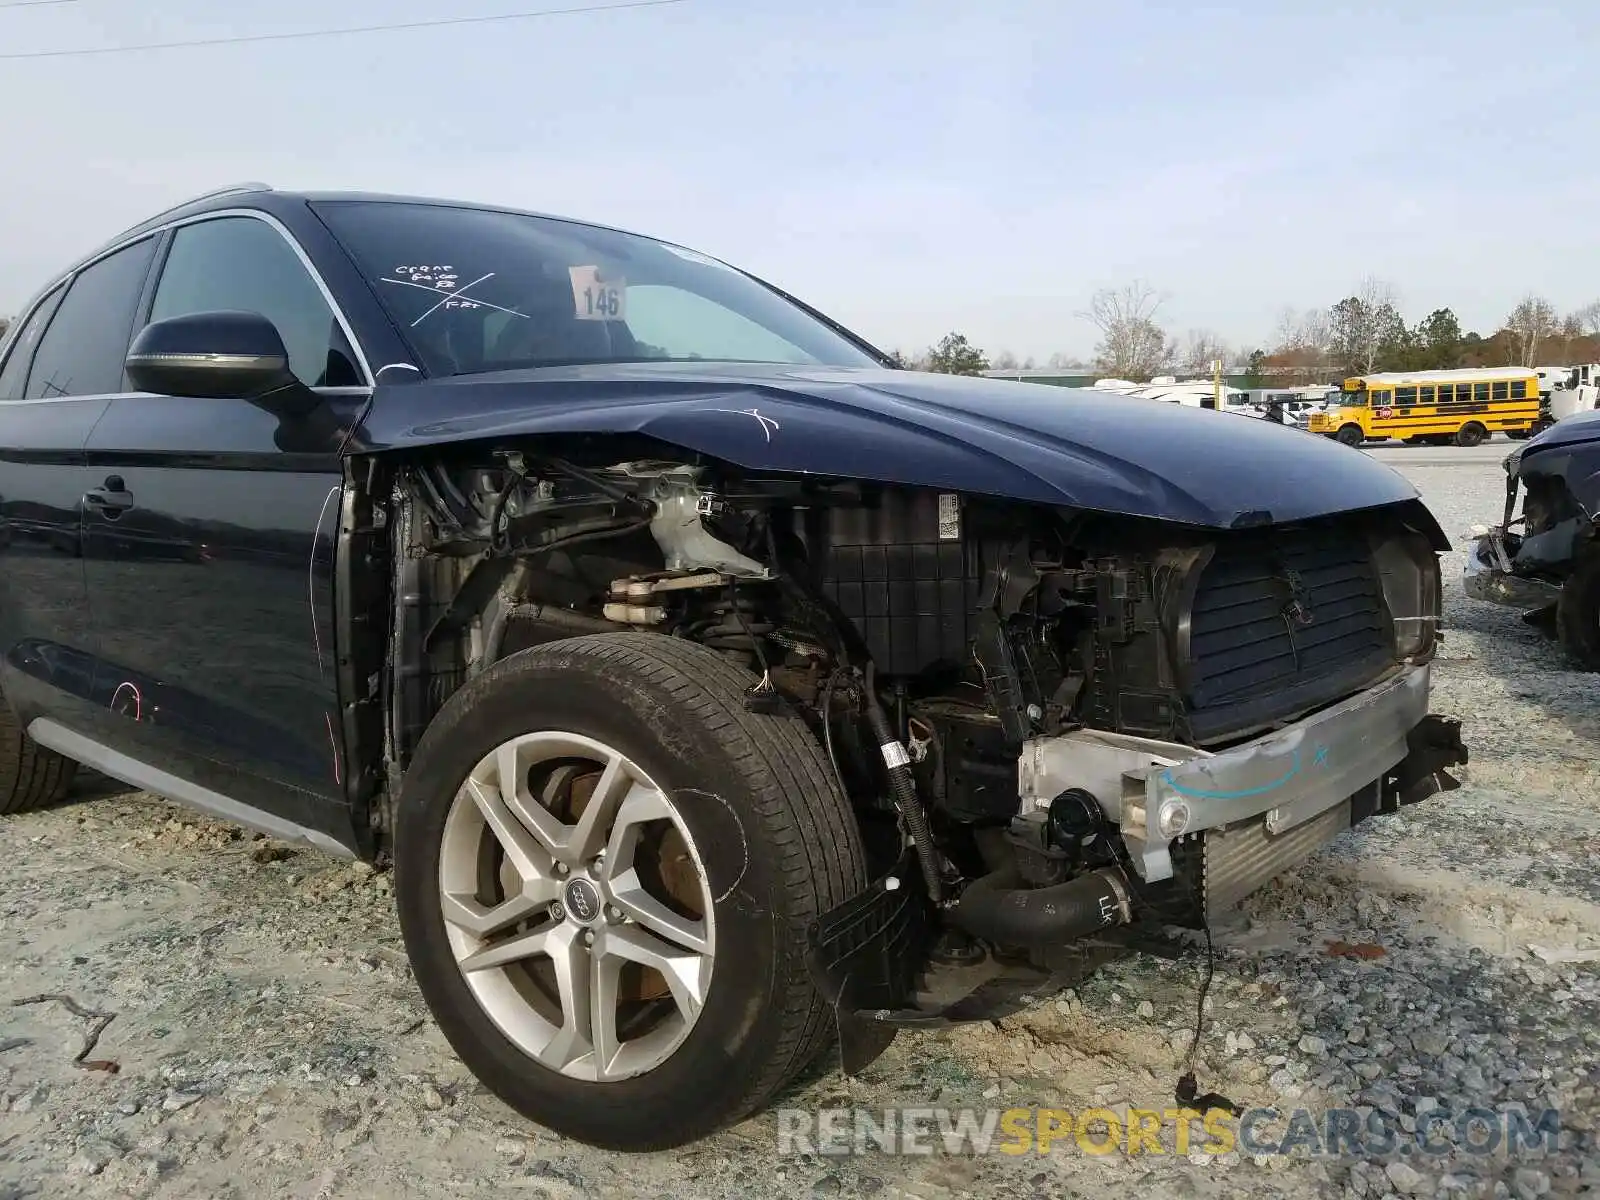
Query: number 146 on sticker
x=598, y=299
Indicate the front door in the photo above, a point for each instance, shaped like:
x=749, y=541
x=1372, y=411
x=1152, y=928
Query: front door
x=210, y=548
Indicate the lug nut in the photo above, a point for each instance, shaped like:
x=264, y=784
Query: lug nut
x=557, y=913
x=613, y=913
x=561, y=868
x=588, y=937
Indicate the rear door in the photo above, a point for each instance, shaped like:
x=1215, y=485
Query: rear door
x=210, y=551
x=57, y=381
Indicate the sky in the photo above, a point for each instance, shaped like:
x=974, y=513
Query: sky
x=911, y=167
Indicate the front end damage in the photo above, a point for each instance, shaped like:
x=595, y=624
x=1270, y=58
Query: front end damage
x=1144, y=833
x=1539, y=561
x=1059, y=730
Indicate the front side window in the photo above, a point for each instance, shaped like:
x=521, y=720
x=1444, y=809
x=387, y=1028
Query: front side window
x=244, y=265
x=82, y=350
x=1480, y=392
x=14, y=374
x=1405, y=395
x=1425, y=393
x=474, y=290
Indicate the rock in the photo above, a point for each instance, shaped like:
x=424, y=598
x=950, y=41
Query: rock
x=1284, y=1083
x=1406, y=1179
x=1146, y=1009
x=177, y=1101
x=512, y=1150
x=1529, y=1183
x=1313, y=1045
x=128, y=1107
x=91, y=1159
x=431, y=1099
x=1356, y=1034
x=1244, y=1041
x=991, y=1092
x=1430, y=1042
x=828, y=1185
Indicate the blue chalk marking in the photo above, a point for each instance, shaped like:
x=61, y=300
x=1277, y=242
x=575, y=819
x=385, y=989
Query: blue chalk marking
x=1318, y=760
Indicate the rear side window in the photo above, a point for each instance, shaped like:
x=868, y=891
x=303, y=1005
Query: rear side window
x=245, y=265
x=82, y=350
x=1519, y=389
x=15, y=372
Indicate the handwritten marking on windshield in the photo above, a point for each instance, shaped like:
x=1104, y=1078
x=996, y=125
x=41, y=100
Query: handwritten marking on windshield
x=453, y=297
x=767, y=423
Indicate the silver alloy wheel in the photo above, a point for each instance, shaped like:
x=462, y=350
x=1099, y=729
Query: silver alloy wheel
x=577, y=906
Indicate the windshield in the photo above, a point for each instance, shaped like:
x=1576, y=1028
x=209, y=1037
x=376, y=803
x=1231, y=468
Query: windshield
x=475, y=290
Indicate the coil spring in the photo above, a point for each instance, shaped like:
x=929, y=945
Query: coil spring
x=733, y=628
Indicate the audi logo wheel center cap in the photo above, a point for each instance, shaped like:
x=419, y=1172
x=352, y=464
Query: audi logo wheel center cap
x=582, y=901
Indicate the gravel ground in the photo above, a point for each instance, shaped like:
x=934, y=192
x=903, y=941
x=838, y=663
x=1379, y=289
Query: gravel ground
x=271, y=1042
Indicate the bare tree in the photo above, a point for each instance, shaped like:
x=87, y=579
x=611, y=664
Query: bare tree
x=1588, y=318
x=1005, y=361
x=1364, y=326
x=1200, y=349
x=1568, y=330
x=1302, y=341
x=1132, y=345
x=1062, y=361
x=1531, y=323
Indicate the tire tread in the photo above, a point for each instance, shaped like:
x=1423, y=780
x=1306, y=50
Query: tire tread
x=30, y=775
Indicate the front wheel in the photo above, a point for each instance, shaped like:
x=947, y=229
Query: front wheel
x=1471, y=434
x=606, y=867
x=1351, y=435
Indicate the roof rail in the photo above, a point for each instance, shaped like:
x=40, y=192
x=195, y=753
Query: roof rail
x=235, y=189
x=231, y=190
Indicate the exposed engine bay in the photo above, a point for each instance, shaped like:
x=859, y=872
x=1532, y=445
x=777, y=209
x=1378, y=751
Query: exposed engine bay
x=1051, y=723
x=1546, y=560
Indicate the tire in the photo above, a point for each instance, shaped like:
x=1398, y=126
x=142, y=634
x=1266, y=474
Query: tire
x=30, y=776
x=765, y=826
x=1519, y=435
x=1351, y=435
x=1471, y=434
x=1578, y=611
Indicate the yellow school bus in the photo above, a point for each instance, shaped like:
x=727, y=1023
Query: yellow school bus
x=1433, y=407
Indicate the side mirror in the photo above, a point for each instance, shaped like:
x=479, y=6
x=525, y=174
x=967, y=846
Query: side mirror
x=211, y=355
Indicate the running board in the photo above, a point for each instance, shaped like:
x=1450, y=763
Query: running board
x=146, y=778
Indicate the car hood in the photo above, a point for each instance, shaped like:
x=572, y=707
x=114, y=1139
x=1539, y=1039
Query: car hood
x=1570, y=431
x=1062, y=446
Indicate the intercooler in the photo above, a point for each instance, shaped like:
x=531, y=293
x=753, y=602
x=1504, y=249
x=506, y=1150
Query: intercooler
x=1241, y=858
